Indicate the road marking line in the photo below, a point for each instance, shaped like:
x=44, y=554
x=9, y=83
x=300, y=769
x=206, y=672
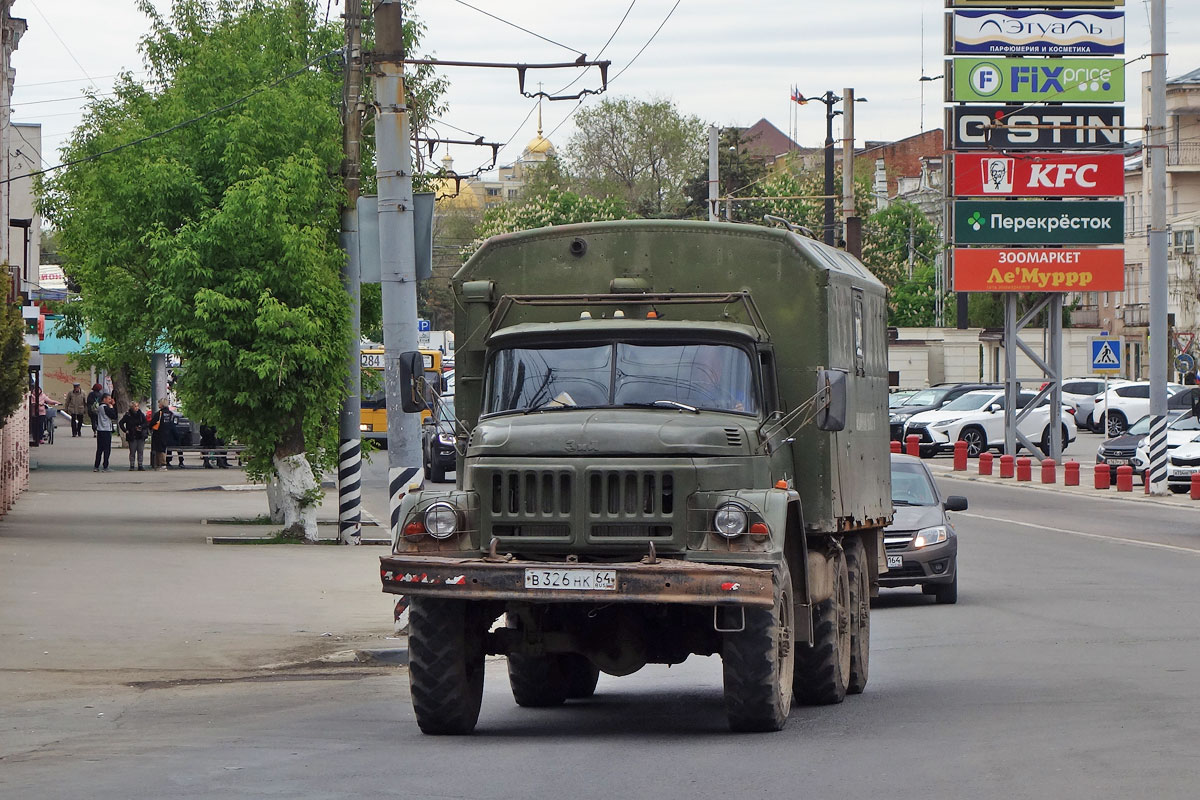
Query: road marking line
x=1115, y=539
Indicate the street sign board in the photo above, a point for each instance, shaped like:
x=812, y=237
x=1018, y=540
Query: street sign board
x=1037, y=3
x=1106, y=353
x=1039, y=222
x=1039, y=270
x=1037, y=33
x=1039, y=175
x=1079, y=80
x=423, y=325
x=1035, y=128
x=371, y=359
x=1185, y=362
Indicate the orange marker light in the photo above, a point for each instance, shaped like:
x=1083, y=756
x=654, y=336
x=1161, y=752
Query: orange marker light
x=781, y=484
x=415, y=528
x=760, y=529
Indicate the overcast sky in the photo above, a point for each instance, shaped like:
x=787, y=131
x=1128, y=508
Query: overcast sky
x=728, y=63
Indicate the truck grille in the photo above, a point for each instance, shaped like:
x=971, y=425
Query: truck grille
x=631, y=493
x=525, y=493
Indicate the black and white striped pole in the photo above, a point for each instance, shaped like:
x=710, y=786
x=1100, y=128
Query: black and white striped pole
x=1155, y=164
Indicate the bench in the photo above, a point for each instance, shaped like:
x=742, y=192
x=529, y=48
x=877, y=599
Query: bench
x=218, y=453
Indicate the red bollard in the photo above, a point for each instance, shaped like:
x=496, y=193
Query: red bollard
x=1024, y=468
x=1049, y=471
x=895, y=445
x=1125, y=478
x=960, y=456
x=1195, y=487
x=1103, y=476
x=1071, y=473
x=985, y=463
x=1146, y=481
x=913, y=444
x=1006, y=466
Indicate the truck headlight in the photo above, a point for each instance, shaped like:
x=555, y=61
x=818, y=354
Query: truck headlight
x=928, y=536
x=441, y=520
x=730, y=520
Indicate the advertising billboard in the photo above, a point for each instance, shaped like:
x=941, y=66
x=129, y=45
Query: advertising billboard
x=1037, y=222
x=1031, y=80
x=1035, y=128
x=1037, y=33
x=1036, y=3
x=1039, y=175
x=1039, y=270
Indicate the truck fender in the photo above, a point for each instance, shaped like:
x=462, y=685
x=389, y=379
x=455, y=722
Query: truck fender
x=820, y=570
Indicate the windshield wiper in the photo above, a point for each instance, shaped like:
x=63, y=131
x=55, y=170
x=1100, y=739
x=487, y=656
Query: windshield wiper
x=901, y=502
x=660, y=403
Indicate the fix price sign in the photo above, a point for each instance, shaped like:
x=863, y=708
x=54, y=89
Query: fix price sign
x=1039, y=222
x=1039, y=270
x=1031, y=80
x=1039, y=175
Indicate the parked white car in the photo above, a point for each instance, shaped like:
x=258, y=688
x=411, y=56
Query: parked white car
x=1080, y=394
x=977, y=418
x=1127, y=403
x=1182, y=431
x=1182, y=462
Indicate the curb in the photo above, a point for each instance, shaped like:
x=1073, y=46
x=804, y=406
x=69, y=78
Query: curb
x=1184, y=503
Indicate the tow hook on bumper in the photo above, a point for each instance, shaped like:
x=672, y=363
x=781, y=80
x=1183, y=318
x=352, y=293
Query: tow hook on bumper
x=663, y=581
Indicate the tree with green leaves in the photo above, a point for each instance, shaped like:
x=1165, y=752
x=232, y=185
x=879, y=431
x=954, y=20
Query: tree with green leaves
x=201, y=217
x=641, y=152
x=14, y=360
x=554, y=207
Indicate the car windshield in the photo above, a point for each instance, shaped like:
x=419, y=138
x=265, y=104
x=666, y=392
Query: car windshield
x=911, y=485
x=715, y=377
x=446, y=409
x=1186, y=423
x=971, y=401
x=899, y=399
x=1141, y=427
x=927, y=397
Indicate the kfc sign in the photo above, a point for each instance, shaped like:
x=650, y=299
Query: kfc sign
x=1039, y=175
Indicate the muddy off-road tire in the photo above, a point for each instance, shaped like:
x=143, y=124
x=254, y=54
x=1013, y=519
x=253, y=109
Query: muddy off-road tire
x=823, y=669
x=758, y=662
x=858, y=570
x=582, y=675
x=445, y=664
x=537, y=681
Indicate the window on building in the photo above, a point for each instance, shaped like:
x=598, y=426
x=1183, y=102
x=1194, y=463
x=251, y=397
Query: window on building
x=512, y=193
x=493, y=192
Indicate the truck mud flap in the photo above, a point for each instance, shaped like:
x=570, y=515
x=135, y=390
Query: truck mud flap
x=666, y=581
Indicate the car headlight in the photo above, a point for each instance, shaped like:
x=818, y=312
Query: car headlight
x=899, y=417
x=927, y=536
x=730, y=520
x=946, y=423
x=441, y=520
x=446, y=438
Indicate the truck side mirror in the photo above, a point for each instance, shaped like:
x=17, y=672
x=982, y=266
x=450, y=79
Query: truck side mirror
x=412, y=382
x=832, y=383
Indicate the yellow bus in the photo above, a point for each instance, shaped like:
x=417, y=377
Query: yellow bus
x=373, y=415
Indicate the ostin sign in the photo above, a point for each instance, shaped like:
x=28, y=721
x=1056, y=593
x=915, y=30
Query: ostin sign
x=1039, y=175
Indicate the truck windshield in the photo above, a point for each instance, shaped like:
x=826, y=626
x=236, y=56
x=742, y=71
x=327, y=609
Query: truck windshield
x=714, y=377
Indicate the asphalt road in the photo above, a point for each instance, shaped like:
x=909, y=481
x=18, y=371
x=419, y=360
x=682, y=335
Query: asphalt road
x=1068, y=669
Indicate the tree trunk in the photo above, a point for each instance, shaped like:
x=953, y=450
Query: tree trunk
x=120, y=391
x=297, y=489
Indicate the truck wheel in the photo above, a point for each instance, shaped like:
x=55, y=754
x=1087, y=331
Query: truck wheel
x=537, y=681
x=758, y=663
x=860, y=615
x=823, y=669
x=976, y=441
x=947, y=593
x=582, y=675
x=445, y=668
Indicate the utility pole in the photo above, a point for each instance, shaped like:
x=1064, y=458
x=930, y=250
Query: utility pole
x=1156, y=158
x=713, y=177
x=829, y=98
x=349, y=435
x=397, y=241
x=852, y=222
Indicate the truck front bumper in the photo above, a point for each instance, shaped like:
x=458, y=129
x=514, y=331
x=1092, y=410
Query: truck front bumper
x=665, y=581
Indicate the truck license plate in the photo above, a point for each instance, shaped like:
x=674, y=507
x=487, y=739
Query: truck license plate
x=895, y=561
x=595, y=580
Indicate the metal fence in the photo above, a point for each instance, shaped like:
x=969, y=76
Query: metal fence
x=14, y=457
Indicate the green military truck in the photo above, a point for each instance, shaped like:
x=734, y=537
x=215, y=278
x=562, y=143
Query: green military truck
x=673, y=440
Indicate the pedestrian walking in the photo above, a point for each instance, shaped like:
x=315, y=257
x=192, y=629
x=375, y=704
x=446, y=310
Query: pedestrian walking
x=76, y=405
x=43, y=410
x=161, y=426
x=106, y=421
x=93, y=404
x=135, y=426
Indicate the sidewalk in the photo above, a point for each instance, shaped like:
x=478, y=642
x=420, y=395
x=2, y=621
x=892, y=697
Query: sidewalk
x=107, y=578
x=944, y=468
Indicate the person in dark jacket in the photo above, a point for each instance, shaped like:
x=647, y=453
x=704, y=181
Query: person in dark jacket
x=93, y=404
x=210, y=440
x=162, y=425
x=106, y=421
x=135, y=427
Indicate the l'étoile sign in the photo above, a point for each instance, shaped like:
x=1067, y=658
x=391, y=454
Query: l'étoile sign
x=1100, y=269
x=1037, y=222
x=1036, y=33
x=1039, y=175
x=1036, y=3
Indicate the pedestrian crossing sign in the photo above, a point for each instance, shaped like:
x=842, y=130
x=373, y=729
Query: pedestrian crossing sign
x=1106, y=354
